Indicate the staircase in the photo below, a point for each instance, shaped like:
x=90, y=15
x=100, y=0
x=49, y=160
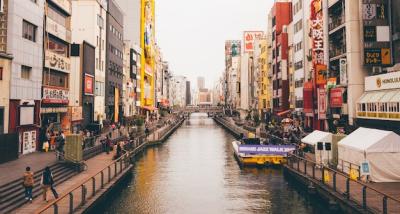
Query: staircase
x=12, y=194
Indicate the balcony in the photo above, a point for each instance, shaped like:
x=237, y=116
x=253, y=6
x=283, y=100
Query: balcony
x=63, y=4
x=336, y=21
x=58, y=30
x=336, y=15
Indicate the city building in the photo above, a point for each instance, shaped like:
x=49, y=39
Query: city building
x=92, y=30
x=177, y=91
x=279, y=18
x=188, y=94
x=264, y=98
x=205, y=97
x=114, y=61
x=57, y=66
x=25, y=43
x=166, y=74
x=129, y=82
x=81, y=84
x=232, y=73
x=5, y=71
x=200, y=82
x=244, y=86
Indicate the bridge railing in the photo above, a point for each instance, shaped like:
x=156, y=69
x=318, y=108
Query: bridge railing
x=367, y=197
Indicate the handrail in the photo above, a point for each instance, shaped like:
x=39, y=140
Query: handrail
x=126, y=155
x=348, y=177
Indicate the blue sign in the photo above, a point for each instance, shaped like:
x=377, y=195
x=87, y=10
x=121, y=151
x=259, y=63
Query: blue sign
x=266, y=149
x=365, y=170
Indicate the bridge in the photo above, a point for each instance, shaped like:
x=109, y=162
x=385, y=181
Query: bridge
x=202, y=109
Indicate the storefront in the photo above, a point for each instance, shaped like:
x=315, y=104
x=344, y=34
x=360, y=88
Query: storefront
x=379, y=106
x=54, y=110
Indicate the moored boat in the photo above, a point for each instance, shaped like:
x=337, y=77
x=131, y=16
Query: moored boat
x=249, y=152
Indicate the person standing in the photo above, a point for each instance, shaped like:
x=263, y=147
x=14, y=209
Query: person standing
x=108, y=145
x=28, y=183
x=47, y=183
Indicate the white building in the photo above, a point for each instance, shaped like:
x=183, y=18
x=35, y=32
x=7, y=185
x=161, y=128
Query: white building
x=177, y=91
x=128, y=85
x=244, y=85
x=92, y=30
x=25, y=43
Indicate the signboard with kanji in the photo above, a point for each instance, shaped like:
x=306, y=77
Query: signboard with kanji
x=249, y=38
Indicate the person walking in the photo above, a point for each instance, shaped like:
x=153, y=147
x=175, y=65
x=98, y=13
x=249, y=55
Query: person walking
x=47, y=183
x=28, y=183
x=108, y=145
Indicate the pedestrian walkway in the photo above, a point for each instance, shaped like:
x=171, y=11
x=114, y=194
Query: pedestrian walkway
x=14, y=169
x=94, y=166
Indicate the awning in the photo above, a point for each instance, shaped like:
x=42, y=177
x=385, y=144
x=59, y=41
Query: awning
x=283, y=113
x=380, y=96
x=149, y=108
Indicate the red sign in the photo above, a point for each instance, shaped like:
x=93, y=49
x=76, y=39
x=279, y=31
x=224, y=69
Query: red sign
x=88, y=84
x=322, y=104
x=249, y=38
x=317, y=36
x=52, y=95
x=336, y=100
x=308, y=97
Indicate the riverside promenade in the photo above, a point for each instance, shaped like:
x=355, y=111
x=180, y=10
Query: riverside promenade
x=335, y=187
x=80, y=192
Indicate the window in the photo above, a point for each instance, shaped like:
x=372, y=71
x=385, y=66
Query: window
x=57, y=16
x=29, y=31
x=97, y=63
x=298, y=46
x=299, y=103
x=298, y=26
x=1, y=73
x=55, y=78
x=100, y=21
x=298, y=65
x=58, y=47
x=26, y=72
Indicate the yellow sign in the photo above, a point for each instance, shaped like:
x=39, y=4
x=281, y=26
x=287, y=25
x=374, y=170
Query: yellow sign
x=116, y=106
x=327, y=178
x=353, y=174
x=386, y=56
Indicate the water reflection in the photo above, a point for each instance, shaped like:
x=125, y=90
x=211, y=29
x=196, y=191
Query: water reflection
x=195, y=172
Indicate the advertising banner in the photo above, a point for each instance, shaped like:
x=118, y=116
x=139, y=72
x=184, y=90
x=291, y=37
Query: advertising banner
x=116, y=104
x=88, y=84
x=249, y=37
x=233, y=48
x=343, y=71
x=322, y=104
x=55, y=95
x=57, y=62
x=267, y=149
x=383, y=81
x=336, y=98
x=317, y=36
x=308, y=98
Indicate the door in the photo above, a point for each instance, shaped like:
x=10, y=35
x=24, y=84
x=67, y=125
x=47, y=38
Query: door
x=1, y=120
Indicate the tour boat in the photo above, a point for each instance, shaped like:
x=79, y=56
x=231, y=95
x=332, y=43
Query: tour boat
x=249, y=152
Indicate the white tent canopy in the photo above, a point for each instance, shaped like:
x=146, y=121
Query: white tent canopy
x=313, y=139
x=381, y=148
x=317, y=136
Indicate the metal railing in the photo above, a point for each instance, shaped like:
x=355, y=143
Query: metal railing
x=77, y=196
x=364, y=195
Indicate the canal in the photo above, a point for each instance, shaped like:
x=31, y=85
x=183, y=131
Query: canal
x=194, y=171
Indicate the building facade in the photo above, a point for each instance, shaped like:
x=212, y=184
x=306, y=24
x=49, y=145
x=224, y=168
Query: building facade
x=25, y=44
x=114, y=61
x=177, y=91
x=92, y=30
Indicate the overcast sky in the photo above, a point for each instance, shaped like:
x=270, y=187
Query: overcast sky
x=192, y=33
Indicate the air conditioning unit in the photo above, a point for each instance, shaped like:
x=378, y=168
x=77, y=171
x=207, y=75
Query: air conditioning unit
x=376, y=70
x=1, y=6
x=345, y=109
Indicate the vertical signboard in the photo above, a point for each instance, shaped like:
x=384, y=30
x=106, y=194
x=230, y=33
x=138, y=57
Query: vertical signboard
x=249, y=37
x=116, y=104
x=343, y=71
x=322, y=104
x=89, y=84
x=317, y=36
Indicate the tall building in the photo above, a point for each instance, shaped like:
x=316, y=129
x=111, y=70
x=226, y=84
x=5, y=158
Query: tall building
x=25, y=44
x=188, y=93
x=244, y=85
x=177, y=91
x=5, y=70
x=264, y=98
x=232, y=73
x=83, y=30
x=200, y=83
x=279, y=19
x=114, y=61
x=57, y=65
x=129, y=83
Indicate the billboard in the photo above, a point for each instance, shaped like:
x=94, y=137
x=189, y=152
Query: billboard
x=233, y=48
x=317, y=36
x=267, y=149
x=249, y=37
x=322, y=104
x=89, y=81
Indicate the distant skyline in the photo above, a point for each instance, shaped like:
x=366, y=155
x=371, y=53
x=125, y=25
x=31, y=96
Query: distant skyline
x=192, y=34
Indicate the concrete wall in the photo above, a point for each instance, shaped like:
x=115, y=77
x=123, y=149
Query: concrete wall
x=5, y=91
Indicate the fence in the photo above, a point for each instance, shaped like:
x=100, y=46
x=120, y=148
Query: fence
x=366, y=196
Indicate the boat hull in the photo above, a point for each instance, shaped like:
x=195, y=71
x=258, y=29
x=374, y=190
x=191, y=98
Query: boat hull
x=257, y=160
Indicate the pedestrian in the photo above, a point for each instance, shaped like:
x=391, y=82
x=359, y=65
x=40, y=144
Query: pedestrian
x=147, y=131
x=28, y=183
x=47, y=183
x=108, y=145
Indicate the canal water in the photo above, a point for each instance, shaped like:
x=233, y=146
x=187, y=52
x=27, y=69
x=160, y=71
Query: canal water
x=195, y=172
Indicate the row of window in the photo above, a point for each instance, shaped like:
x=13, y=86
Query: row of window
x=99, y=89
x=298, y=46
x=298, y=26
x=297, y=7
x=55, y=78
x=298, y=65
x=116, y=33
x=299, y=83
x=99, y=65
x=391, y=107
x=115, y=51
x=58, y=47
x=57, y=16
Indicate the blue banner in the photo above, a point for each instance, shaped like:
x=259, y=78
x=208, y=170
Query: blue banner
x=267, y=149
